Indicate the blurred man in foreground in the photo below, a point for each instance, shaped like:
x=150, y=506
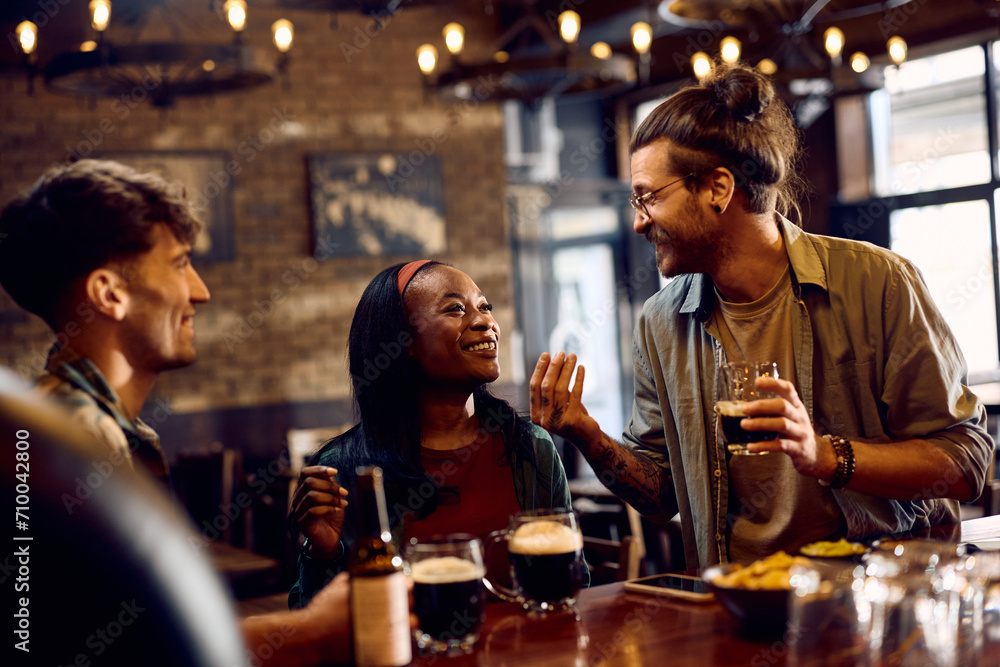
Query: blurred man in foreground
x=102, y=253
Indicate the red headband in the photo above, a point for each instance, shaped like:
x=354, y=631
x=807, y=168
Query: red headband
x=405, y=274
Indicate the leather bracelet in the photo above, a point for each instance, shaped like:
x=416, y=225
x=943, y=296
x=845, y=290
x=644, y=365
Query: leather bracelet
x=845, y=462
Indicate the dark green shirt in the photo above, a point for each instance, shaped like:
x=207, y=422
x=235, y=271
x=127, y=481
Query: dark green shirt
x=540, y=484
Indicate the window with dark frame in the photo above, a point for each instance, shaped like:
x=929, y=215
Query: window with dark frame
x=933, y=193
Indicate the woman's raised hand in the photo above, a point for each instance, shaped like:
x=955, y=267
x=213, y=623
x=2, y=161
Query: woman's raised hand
x=318, y=510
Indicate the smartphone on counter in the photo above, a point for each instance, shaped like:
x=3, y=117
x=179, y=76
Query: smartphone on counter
x=682, y=586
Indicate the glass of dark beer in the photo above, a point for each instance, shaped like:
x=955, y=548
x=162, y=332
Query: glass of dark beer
x=738, y=386
x=448, y=594
x=546, y=559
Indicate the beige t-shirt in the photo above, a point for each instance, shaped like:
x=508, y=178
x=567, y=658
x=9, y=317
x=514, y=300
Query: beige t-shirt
x=771, y=506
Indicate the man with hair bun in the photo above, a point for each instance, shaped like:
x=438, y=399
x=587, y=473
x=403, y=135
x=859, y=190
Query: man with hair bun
x=877, y=432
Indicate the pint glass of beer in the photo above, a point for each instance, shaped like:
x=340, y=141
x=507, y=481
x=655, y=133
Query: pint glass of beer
x=546, y=559
x=738, y=386
x=448, y=594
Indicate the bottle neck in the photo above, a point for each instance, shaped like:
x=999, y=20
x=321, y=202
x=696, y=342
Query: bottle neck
x=372, y=518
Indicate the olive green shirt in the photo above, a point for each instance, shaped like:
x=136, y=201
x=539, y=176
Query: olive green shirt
x=771, y=506
x=874, y=360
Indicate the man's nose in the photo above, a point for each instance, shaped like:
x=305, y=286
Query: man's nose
x=641, y=222
x=199, y=291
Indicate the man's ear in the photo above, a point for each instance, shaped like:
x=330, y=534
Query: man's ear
x=108, y=292
x=722, y=186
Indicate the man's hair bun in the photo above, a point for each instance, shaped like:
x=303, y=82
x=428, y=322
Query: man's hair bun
x=744, y=92
x=735, y=119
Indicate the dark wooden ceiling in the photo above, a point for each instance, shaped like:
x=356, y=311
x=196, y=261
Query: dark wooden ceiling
x=680, y=27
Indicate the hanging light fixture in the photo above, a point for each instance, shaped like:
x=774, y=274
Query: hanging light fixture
x=601, y=50
x=160, y=71
x=642, y=37
x=533, y=58
x=27, y=37
x=282, y=34
x=800, y=45
x=427, y=57
x=26, y=33
x=833, y=42
x=729, y=49
x=569, y=26
x=454, y=38
x=642, y=41
x=236, y=14
x=100, y=14
x=860, y=62
x=896, y=46
x=701, y=64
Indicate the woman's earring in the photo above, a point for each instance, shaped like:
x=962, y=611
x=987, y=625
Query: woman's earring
x=718, y=209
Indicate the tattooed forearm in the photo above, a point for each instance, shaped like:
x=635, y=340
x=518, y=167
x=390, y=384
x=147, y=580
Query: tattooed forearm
x=632, y=476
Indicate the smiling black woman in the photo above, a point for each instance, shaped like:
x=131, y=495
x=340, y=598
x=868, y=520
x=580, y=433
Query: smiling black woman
x=422, y=349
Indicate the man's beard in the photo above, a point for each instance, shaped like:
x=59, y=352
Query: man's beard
x=692, y=250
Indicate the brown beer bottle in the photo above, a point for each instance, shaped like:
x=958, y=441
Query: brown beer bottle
x=380, y=607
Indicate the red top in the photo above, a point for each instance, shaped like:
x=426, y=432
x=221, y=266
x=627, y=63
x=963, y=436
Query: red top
x=485, y=496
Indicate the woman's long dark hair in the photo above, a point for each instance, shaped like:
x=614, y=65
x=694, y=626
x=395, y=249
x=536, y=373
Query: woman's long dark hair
x=385, y=382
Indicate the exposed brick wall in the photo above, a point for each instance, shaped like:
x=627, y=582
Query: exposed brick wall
x=345, y=92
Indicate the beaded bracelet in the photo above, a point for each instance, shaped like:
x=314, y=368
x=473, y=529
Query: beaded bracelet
x=845, y=462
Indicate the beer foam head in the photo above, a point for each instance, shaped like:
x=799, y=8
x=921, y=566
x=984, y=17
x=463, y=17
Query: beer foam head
x=730, y=408
x=445, y=570
x=540, y=538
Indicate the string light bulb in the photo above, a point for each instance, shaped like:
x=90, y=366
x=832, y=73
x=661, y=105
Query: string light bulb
x=601, y=50
x=642, y=37
x=454, y=38
x=100, y=14
x=569, y=26
x=767, y=66
x=282, y=33
x=427, y=57
x=897, y=49
x=701, y=64
x=860, y=62
x=236, y=14
x=833, y=41
x=730, y=49
x=27, y=36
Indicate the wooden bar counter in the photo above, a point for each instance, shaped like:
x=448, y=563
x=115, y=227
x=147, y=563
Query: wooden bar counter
x=612, y=627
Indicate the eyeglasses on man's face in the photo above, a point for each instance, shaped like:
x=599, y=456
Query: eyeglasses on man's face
x=638, y=202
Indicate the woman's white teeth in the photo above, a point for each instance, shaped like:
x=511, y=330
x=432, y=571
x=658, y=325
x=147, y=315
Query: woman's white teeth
x=482, y=346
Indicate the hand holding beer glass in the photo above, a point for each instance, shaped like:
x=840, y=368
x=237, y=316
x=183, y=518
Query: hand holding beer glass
x=738, y=386
x=546, y=559
x=448, y=594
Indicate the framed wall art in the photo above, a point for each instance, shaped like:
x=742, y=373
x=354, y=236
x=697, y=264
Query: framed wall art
x=377, y=204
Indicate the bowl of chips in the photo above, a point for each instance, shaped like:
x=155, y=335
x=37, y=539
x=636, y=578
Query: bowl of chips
x=756, y=593
x=842, y=548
